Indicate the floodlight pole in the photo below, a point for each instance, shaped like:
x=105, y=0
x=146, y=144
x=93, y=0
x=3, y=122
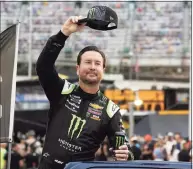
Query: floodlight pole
x=30, y=41
x=131, y=10
x=131, y=119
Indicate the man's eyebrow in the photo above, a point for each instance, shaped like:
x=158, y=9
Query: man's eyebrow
x=94, y=60
x=98, y=61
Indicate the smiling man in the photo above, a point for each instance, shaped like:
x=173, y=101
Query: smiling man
x=90, y=68
x=80, y=116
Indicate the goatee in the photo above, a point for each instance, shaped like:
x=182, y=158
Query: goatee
x=89, y=82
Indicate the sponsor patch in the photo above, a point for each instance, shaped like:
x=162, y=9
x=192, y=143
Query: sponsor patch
x=96, y=106
x=73, y=104
x=94, y=111
x=76, y=124
x=75, y=99
x=68, y=146
x=95, y=117
x=71, y=108
x=112, y=108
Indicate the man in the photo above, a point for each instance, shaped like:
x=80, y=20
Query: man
x=184, y=154
x=80, y=116
x=31, y=158
x=17, y=160
x=179, y=141
x=135, y=148
x=148, y=147
x=169, y=143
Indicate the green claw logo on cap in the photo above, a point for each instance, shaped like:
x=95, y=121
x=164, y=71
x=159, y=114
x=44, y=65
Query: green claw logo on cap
x=91, y=13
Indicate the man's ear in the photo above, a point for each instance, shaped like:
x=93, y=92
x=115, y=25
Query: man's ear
x=77, y=70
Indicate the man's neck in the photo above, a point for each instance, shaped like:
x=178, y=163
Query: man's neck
x=92, y=89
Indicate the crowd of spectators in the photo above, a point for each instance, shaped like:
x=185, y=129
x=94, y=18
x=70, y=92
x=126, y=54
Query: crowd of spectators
x=26, y=151
x=157, y=27
x=171, y=147
x=27, y=148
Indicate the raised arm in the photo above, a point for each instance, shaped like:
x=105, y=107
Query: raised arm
x=45, y=68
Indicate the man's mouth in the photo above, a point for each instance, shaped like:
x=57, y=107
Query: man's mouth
x=92, y=74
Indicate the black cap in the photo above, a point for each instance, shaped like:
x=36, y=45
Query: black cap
x=101, y=18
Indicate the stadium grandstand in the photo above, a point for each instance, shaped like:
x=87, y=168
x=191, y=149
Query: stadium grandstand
x=152, y=39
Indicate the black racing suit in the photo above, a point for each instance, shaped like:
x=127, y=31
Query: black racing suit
x=78, y=121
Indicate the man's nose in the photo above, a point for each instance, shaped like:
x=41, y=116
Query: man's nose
x=92, y=66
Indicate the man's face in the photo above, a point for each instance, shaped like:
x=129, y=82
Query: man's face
x=90, y=70
x=177, y=137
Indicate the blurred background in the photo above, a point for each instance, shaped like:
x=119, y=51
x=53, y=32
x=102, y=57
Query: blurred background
x=148, y=73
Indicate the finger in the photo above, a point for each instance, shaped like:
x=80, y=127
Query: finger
x=76, y=19
x=121, y=159
x=121, y=156
x=121, y=151
x=73, y=19
x=111, y=149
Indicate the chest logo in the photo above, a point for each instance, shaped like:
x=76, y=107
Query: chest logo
x=76, y=126
x=96, y=106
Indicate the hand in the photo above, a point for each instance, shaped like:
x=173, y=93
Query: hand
x=71, y=26
x=122, y=153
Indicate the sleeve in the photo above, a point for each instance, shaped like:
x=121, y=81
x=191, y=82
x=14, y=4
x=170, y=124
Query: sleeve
x=115, y=124
x=48, y=76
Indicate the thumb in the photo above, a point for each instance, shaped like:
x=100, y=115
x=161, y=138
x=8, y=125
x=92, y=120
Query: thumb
x=111, y=152
x=111, y=149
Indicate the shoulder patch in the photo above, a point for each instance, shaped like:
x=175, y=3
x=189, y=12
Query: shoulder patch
x=68, y=87
x=112, y=108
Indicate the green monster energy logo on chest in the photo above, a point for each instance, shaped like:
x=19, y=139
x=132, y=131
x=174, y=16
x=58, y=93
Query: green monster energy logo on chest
x=76, y=124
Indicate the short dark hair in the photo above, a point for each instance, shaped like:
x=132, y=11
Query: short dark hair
x=91, y=48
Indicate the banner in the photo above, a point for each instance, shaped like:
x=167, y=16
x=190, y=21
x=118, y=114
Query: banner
x=8, y=68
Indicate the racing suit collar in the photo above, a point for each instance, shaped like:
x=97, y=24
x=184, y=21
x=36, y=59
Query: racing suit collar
x=87, y=96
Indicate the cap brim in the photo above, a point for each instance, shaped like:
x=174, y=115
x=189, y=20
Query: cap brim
x=84, y=20
x=96, y=24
